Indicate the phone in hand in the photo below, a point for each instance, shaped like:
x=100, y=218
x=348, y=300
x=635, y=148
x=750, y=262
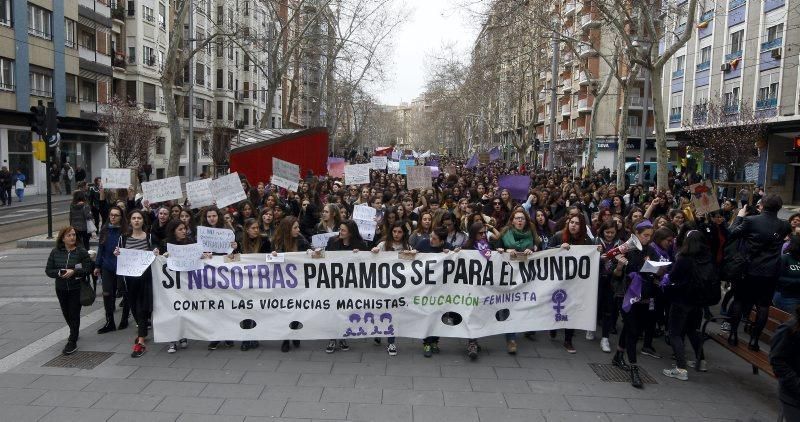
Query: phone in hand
x=62, y=272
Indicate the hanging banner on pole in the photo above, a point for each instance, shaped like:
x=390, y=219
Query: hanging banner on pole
x=346, y=294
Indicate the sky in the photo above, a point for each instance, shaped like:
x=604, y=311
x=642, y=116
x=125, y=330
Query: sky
x=431, y=24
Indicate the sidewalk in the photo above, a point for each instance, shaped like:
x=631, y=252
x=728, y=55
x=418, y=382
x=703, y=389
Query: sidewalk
x=35, y=200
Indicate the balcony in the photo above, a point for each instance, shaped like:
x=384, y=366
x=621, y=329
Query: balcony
x=563, y=134
x=581, y=132
x=542, y=95
x=703, y=66
x=570, y=7
x=636, y=101
x=566, y=85
x=589, y=20
x=675, y=118
x=730, y=109
x=766, y=103
x=583, y=78
x=733, y=4
x=586, y=50
x=567, y=58
x=734, y=55
x=677, y=74
x=118, y=60
x=584, y=106
x=565, y=110
x=769, y=45
x=88, y=106
x=542, y=74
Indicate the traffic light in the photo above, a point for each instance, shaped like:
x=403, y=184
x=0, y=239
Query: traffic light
x=796, y=145
x=51, y=119
x=39, y=123
x=537, y=145
x=39, y=151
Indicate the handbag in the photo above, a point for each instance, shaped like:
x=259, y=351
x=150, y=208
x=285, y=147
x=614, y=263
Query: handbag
x=90, y=227
x=88, y=292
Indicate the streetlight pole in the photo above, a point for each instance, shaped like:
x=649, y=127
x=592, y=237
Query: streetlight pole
x=553, y=98
x=190, y=149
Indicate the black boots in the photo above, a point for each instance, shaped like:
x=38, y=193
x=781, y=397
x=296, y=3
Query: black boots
x=109, y=327
x=619, y=361
x=636, y=379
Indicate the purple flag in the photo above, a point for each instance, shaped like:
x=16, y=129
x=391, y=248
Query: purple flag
x=634, y=292
x=473, y=161
x=518, y=186
x=494, y=154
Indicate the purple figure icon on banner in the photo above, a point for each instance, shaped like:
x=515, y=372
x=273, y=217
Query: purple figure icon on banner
x=559, y=297
x=381, y=328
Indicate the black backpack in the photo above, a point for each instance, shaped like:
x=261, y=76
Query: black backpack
x=704, y=288
x=735, y=260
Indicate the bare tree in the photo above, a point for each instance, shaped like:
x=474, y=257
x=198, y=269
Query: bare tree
x=222, y=134
x=131, y=132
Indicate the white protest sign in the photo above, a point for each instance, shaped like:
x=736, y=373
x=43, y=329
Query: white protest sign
x=364, y=212
x=357, y=174
x=185, y=257
x=551, y=289
x=321, y=240
x=134, y=262
x=285, y=174
x=116, y=178
x=419, y=177
x=379, y=162
x=228, y=190
x=215, y=240
x=393, y=167
x=199, y=193
x=162, y=189
x=366, y=228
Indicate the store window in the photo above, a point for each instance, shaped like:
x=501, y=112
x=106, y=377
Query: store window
x=20, y=154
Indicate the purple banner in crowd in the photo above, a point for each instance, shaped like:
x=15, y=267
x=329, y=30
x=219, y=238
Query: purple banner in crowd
x=473, y=161
x=494, y=154
x=518, y=186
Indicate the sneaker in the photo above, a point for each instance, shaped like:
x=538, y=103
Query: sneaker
x=605, y=345
x=392, y=350
x=511, y=346
x=285, y=347
x=331, y=347
x=245, y=346
x=427, y=350
x=649, y=351
x=435, y=347
x=703, y=365
x=619, y=362
x=677, y=373
x=472, y=350
x=228, y=343
x=725, y=326
x=138, y=350
x=172, y=348
x=296, y=343
x=211, y=346
x=343, y=345
x=570, y=348
x=590, y=335
x=377, y=341
x=70, y=348
x=183, y=343
x=636, y=379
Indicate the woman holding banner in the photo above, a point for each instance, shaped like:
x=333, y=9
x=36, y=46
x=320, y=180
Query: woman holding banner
x=435, y=244
x=423, y=231
x=106, y=265
x=394, y=240
x=349, y=239
x=139, y=289
x=329, y=220
x=288, y=239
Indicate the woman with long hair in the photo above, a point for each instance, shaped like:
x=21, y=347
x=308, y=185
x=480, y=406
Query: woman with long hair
x=437, y=243
x=348, y=239
x=329, y=219
x=288, y=238
x=106, y=266
x=499, y=212
x=395, y=239
x=423, y=230
x=187, y=218
x=267, y=224
x=252, y=242
x=68, y=264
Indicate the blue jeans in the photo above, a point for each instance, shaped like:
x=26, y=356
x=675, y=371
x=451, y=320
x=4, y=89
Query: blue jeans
x=20, y=194
x=786, y=304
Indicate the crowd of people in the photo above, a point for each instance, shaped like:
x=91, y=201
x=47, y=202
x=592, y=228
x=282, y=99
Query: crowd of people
x=748, y=248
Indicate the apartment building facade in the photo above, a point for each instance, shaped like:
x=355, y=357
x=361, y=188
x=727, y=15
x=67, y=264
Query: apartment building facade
x=741, y=53
x=53, y=51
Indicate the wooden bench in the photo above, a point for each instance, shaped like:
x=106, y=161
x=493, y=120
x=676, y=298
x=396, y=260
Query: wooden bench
x=759, y=360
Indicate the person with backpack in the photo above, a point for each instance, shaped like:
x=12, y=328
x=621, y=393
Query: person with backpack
x=692, y=284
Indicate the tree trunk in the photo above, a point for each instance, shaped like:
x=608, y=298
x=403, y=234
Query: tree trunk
x=622, y=142
x=593, y=128
x=661, y=134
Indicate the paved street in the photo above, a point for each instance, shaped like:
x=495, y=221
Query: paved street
x=33, y=207
x=541, y=383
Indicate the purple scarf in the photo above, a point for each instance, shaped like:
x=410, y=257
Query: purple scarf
x=482, y=246
x=634, y=292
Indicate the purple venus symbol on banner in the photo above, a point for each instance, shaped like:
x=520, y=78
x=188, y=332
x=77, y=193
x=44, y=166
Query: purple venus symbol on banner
x=559, y=297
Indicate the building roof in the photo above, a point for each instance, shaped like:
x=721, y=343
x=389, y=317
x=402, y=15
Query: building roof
x=254, y=138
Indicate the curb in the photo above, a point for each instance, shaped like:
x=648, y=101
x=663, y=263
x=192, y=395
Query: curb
x=42, y=242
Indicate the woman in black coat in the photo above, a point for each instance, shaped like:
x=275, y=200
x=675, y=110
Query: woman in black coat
x=784, y=356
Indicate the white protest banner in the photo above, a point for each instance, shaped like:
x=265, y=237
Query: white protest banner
x=366, y=228
x=278, y=257
x=185, y=257
x=321, y=240
x=199, y=193
x=116, y=178
x=162, y=189
x=133, y=262
x=285, y=174
x=361, y=295
x=393, y=167
x=357, y=174
x=215, y=240
x=419, y=177
x=379, y=162
x=364, y=212
x=228, y=190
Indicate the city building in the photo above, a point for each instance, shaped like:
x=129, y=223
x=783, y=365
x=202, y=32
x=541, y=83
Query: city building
x=53, y=51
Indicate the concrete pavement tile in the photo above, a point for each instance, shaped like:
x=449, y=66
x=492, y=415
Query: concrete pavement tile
x=557, y=387
x=444, y=384
x=262, y=419
x=18, y=395
x=205, y=362
x=252, y=365
x=13, y=379
x=572, y=416
x=494, y=414
x=189, y=417
x=133, y=416
x=412, y=397
x=68, y=398
x=124, y=401
x=349, y=356
x=269, y=378
x=179, y=404
x=473, y=399
x=383, y=381
x=627, y=417
x=60, y=382
x=247, y=407
x=107, y=371
x=660, y=407
x=292, y=393
x=327, y=380
x=468, y=371
x=687, y=419
x=404, y=354
x=584, y=375
x=160, y=373
x=724, y=410
x=536, y=401
x=500, y=386
x=174, y=388
x=111, y=385
x=223, y=391
x=413, y=369
x=381, y=412
x=291, y=367
x=599, y=404
x=71, y=414
x=229, y=376
x=445, y=414
x=359, y=368
x=350, y=395
x=274, y=354
x=548, y=363
x=315, y=410
x=19, y=413
x=149, y=359
x=528, y=374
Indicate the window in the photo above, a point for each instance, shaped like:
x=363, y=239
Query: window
x=161, y=60
x=88, y=91
x=5, y=12
x=6, y=74
x=131, y=55
x=220, y=111
x=199, y=74
x=161, y=147
x=774, y=32
x=161, y=173
x=42, y=83
x=220, y=49
x=149, y=56
x=162, y=16
x=69, y=33
x=39, y=22
x=246, y=114
x=246, y=8
x=71, y=88
x=130, y=91
x=705, y=54
x=149, y=14
x=20, y=153
x=731, y=98
x=220, y=15
x=768, y=92
x=230, y=111
x=246, y=89
x=230, y=81
x=736, y=41
x=246, y=62
x=220, y=79
x=131, y=8
x=148, y=96
x=680, y=62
